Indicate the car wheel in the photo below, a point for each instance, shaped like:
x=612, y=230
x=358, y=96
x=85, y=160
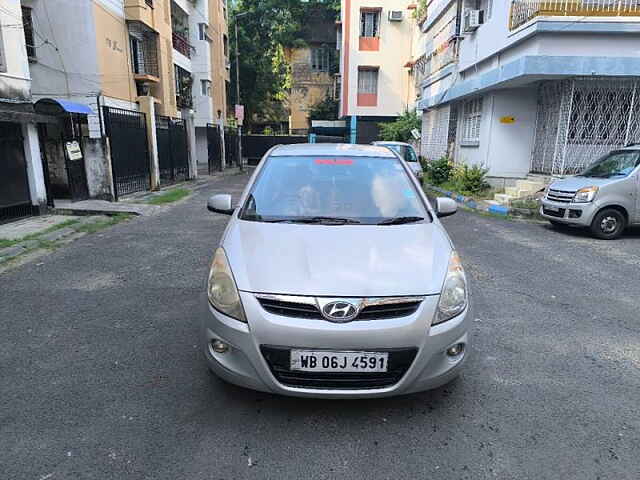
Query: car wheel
x=608, y=224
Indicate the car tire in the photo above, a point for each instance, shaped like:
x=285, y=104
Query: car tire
x=608, y=224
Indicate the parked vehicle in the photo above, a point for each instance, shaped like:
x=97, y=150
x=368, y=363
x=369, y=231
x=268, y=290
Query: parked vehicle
x=605, y=197
x=408, y=153
x=335, y=278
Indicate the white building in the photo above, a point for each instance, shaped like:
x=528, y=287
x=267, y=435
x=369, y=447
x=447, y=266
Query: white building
x=377, y=51
x=22, y=188
x=531, y=85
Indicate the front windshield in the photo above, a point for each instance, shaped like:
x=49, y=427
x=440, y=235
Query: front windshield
x=352, y=189
x=405, y=152
x=615, y=164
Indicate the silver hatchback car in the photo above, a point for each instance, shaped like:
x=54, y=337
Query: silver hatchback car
x=334, y=278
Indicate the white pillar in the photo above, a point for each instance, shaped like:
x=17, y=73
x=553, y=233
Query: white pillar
x=190, y=129
x=148, y=106
x=33, y=160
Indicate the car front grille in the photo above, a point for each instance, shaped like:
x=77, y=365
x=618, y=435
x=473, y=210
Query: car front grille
x=560, y=196
x=279, y=358
x=552, y=213
x=290, y=309
x=305, y=307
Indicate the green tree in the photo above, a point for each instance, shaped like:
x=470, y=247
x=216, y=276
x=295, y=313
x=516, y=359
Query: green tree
x=265, y=30
x=400, y=129
x=325, y=109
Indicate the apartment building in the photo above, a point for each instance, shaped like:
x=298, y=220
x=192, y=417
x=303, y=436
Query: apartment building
x=22, y=188
x=378, y=48
x=143, y=77
x=533, y=86
x=314, y=68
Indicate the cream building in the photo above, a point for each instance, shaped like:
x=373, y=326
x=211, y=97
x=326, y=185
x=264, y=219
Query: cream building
x=378, y=48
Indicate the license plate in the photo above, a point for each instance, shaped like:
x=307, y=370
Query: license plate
x=552, y=209
x=329, y=361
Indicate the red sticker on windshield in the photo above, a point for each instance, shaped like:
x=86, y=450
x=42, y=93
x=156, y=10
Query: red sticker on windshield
x=334, y=161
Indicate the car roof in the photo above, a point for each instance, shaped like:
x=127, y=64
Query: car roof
x=635, y=146
x=331, y=149
x=404, y=144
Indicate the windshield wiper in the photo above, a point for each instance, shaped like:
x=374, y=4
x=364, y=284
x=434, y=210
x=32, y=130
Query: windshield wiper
x=323, y=220
x=401, y=220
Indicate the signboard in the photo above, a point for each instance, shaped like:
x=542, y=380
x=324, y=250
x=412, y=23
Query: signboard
x=73, y=150
x=240, y=114
x=507, y=119
x=416, y=133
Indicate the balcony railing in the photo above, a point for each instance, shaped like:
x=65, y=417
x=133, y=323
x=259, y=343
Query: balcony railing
x=523, y=11
x=182, y=45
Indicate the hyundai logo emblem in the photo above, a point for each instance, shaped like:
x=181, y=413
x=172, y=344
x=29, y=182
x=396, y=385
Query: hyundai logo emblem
x=339, y=312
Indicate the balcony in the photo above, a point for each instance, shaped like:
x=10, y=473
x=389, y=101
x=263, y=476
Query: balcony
x=143, y=43
x=184, y=83
x=181, y=44
x=522, y=11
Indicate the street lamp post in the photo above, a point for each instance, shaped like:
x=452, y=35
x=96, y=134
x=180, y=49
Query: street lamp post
x=237, y=16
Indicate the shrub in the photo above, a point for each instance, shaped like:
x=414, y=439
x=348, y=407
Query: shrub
x=438, y=171
x=470, y=179
x=400, y=129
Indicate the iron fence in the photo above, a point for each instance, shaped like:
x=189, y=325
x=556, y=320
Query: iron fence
x=173, y=151
x=523, y=11
x=582, y=119
x=127, y=132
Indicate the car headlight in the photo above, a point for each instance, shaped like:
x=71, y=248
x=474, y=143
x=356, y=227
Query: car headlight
x=454, y=296
x=585, y=195
x=222, y=289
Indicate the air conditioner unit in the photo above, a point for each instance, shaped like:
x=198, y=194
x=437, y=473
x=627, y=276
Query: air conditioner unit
x=395, y=15
x=472, y=20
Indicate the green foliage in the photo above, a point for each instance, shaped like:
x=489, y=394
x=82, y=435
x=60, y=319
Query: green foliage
x=439, y=171
x=325, y=109
x=421, y=10
x=470, y=180
x=265, y=30
x=400, y=129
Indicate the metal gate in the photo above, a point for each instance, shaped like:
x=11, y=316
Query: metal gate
x=15, y=199
x=214, y=148
x=231, y=147
x=582, y=119
x=173, y=153
x=127, y=132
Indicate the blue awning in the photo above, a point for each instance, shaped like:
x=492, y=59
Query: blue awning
x=53, y=106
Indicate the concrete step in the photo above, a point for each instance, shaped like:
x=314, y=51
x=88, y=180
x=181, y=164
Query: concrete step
x=529, y=185
x=512, y=191
x=503, y=198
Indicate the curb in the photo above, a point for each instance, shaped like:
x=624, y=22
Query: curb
x=481, y=206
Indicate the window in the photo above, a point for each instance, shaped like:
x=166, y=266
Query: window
x=369, y=23
x=205, y=87
x=471, y=119
x=368, y=81
x=321, y=59
x=224, y=8
x=137, y=59
x=203, y=32
x=225, y=46
x=363, y=189
x=27, y=24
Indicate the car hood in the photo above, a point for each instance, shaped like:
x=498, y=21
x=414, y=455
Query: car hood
x=573, y=184
x=338, y=261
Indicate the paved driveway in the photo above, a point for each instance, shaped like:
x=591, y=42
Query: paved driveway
x=100, y=376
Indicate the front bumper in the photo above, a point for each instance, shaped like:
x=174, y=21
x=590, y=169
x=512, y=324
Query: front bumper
x=244, y=363
x=579, y=214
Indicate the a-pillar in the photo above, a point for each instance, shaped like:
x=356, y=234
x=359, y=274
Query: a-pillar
x=148, y=107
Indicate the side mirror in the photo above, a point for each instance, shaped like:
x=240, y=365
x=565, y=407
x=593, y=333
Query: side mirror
x=445, y=207
x=220, y=203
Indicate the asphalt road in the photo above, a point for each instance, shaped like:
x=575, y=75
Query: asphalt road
x=100, y=376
